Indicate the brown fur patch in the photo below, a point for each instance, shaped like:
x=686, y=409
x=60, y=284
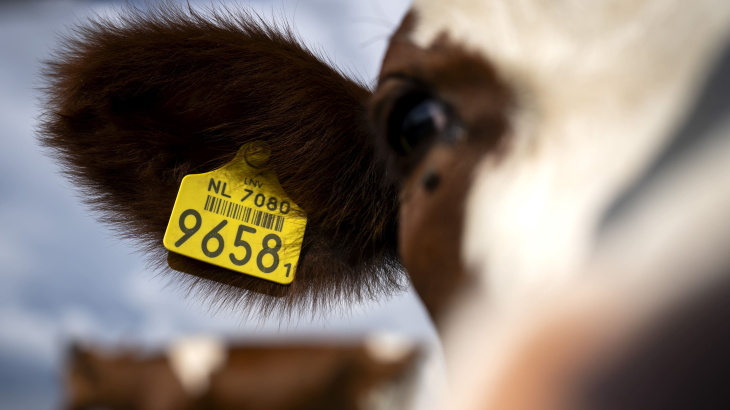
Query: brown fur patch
x=136, y=102
x=432, y=220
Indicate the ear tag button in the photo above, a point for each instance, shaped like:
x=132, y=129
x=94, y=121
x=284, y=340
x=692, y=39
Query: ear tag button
x=238, y=217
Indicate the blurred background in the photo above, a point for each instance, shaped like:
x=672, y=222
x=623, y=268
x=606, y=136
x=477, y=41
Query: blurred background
x=64, y=276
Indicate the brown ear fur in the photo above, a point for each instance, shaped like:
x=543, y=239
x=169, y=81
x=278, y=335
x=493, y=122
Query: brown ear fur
x=135, y=103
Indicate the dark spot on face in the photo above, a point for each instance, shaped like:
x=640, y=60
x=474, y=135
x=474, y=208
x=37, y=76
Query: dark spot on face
x=430, y=180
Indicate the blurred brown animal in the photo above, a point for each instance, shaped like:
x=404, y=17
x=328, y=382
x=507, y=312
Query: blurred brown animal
x=252, y=377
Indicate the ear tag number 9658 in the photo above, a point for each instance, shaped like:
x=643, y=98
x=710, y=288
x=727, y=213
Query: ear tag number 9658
x=238, y=218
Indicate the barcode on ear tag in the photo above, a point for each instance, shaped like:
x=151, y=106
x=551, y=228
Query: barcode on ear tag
x=238, y=218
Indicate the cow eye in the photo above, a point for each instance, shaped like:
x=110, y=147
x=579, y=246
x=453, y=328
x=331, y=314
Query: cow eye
x=415, y=121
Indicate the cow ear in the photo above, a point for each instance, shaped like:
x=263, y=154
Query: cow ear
x=135, y=103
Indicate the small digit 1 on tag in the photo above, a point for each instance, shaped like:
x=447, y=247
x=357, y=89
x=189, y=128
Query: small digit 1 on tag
x=239, y=218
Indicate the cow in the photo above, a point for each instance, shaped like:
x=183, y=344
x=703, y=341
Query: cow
x=548, y=174
x=203, y=372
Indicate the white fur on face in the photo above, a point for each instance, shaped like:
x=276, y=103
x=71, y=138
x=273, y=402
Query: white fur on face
x=599, y=89
x=600, y=86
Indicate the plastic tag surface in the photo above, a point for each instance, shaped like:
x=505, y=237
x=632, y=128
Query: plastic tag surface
x=238, y=218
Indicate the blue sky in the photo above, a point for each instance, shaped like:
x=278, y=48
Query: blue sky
x=64, y=276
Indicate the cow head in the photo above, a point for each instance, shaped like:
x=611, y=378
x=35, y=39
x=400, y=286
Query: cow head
x=488, y=161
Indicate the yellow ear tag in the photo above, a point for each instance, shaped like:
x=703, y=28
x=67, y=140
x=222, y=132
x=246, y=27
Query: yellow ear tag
x=239, y=218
